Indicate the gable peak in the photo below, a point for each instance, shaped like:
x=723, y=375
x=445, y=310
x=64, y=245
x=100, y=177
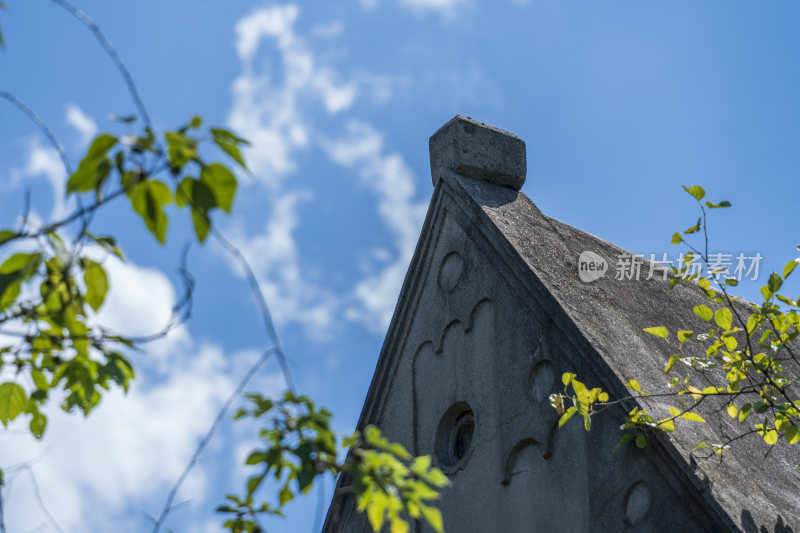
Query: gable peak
x=476, y=150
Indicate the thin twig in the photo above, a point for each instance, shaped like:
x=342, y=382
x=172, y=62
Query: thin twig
x=38, y=494
x=112, y=52
x=36, y=119
x=205, y=440
x=262, y=302
x=2, y=517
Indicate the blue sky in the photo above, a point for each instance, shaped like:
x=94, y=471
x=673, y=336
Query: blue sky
x=620, y=103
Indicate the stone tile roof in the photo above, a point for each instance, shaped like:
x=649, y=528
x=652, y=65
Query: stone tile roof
x=756, y=485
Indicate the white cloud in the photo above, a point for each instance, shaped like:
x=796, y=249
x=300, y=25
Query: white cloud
x=328, y=31
x=126, y=453
x=270, y=112
x=139, y=303
x=83, y=124
x=271, y=109
x=95, y=473
x=434, y=5
x=275, y=259
x=445, y=7
x=387, y=175
x=275, y=109
x=44, y=161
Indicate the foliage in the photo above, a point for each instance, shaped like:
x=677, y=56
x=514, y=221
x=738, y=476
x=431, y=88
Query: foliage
x=299, y=447
x=53, y=284
x=52, y=291
x=745, y=356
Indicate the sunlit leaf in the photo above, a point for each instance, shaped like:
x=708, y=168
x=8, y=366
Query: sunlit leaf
x=633, y=385
x=12, y=401
x=771, y=437
x=222, y=183
x=703, y=312
x=696, y=191
x=693, y=417
x=96, y=280
x=569, y=413
x=658, y=331
x=789, y=268
x=723, y=318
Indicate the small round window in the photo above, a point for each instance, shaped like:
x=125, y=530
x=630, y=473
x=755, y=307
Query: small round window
x=454, y=437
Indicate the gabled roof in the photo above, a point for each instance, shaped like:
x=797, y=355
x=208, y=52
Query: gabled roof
x=605, y=319
x=753, y=483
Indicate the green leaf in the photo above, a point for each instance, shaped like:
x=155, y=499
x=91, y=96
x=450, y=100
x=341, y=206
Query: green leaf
x=752, y=322
x=101, y=145
x=723, y=318
x=694, y=229
x=96, y=280
x=567, y=377
x=108, y=243
x=202, y=225
x=286, y=495
x=744, y=411
x=790, y=266
x=200, y=197
x=696, y=191
x=6, y=235
x=127, y=119
x=792, y=434
x=766, y=293
x=641, y=441
x=180, y=149
x=229, y=143
x=633, y=385
x=684, y=335
x=253, y=483
x=12, y=401
x=771, y=437
x=659, y=331
x=671, y=363
x=774, y=283
x=119, y=369
x=222, y=183
x=733, y=411
x=148, y=200
x=94, y=168
x=693, y=417
x=17, y=269
x=433, y=516
x=569, y=413
x=622, y=441
x=375, y=515
x=255, y=457
x=38, y=424
x=676, y=238
x=666, y=424
x=703, y=312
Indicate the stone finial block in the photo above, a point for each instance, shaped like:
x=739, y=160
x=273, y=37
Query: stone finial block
x=478, y=151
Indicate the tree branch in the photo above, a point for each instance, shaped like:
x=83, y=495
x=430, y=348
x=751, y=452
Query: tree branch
x=205, y=440
x=112, y=52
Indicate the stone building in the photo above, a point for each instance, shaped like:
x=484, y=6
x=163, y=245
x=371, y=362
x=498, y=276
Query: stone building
x=493, y=310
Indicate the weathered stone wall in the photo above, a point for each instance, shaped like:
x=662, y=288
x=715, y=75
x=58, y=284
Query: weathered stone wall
x=470, y=360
